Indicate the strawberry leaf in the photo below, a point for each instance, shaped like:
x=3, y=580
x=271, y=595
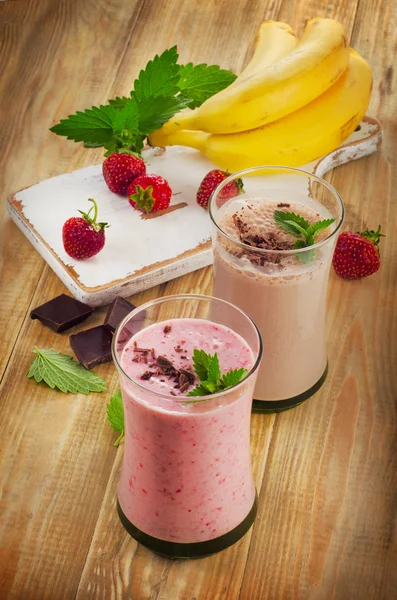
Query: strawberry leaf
x=197, y=83
x=153, y=114
x=126, y=117
x=93, y=126
x=119, y=102
x=159, y=78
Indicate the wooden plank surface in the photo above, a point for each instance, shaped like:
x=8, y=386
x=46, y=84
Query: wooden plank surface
x=326, y=472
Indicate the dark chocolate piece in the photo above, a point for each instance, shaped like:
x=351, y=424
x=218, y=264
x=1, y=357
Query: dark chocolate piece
x=61, y=312
x=117, y=311
x=92, y=346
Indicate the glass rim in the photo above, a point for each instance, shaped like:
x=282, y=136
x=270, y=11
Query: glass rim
x=291, y=170
x=174, y=297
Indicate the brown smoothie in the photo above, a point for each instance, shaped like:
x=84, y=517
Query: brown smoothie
x=283, y=293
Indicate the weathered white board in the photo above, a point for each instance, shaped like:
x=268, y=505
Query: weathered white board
x=140, y=252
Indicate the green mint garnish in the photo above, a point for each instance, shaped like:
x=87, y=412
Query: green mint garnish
x=161, y=90
x=64, y=373
x=301, y=228
x=208, y=371
x=115, y=414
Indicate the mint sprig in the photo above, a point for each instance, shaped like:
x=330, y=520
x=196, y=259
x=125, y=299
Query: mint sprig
x=115, y=415
x=301, y=228
x=161, y=90
x=64, y=373
x=208, y=371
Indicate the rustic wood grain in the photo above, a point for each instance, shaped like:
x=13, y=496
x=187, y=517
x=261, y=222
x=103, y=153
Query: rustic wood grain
x=326, y=472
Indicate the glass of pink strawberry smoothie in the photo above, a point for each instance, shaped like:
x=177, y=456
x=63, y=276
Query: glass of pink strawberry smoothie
x=186, y=488
x=283, y=288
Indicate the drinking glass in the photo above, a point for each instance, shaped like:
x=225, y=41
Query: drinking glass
x=186, y=487
x=282, y=290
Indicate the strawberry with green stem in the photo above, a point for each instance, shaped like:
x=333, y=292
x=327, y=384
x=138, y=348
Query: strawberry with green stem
x=149, y=193
x=357, y=255
x=82, y=236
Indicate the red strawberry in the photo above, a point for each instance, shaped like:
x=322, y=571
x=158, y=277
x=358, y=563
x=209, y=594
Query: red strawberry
x=149, y=193
x=82, y=236
x=120, y=169
x=211, y=181
x=357, y=254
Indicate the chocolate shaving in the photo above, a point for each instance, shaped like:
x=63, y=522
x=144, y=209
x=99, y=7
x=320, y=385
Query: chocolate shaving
x=165, y=365
x=143, y=350
x=147, y=375
x=283, y=205
x=167, y=329
x=178, y=349
x=190, y=376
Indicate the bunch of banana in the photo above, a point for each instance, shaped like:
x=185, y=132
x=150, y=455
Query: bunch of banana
x=293, y=103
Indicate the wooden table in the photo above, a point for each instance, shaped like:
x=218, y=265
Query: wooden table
x=326, y=472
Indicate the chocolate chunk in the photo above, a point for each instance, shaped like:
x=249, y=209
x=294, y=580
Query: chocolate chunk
x=189, y=375
x=61, y=312
x=165, y=365
x=147, y=375
x=167, y=329
x=117, y=311
x=92, y=346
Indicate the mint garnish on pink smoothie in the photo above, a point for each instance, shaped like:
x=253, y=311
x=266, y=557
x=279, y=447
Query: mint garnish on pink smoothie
x=208, y=371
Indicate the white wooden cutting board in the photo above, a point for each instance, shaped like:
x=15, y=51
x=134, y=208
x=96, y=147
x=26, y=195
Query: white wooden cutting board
x=140, y=253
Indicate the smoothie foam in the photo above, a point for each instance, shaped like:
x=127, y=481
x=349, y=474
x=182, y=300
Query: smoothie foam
x=186, y=474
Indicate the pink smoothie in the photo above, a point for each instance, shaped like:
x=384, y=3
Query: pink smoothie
x=186, y=474
x=285, y=297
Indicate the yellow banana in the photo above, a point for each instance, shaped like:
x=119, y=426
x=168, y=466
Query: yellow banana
x=297, y=139
x=276, y=90
x=273, y=41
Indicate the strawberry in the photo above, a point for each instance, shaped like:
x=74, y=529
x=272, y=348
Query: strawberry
x=120, y=169
x=211, y=181
x=82, y=236
x=357, y=254
x=149, y=193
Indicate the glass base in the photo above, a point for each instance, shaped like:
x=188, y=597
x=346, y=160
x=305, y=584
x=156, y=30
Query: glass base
x=190, y=550
x=275, y=406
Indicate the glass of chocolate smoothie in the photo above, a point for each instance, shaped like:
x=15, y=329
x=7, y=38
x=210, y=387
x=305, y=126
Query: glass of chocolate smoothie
x=273, y=243
x=186, y=487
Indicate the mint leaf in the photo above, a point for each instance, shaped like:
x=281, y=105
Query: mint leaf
x=233, y=377
x=197, y=83
x=115, y=414
x=159, y=78
x=289, y=220
x=214, y=371
x=200, y=364
x=320, y=226
x=210, y=386
x=62, y=372
x=300, y=227
x=208, y=371
x=93, y=126
x=154, y=113
x=199, y=391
